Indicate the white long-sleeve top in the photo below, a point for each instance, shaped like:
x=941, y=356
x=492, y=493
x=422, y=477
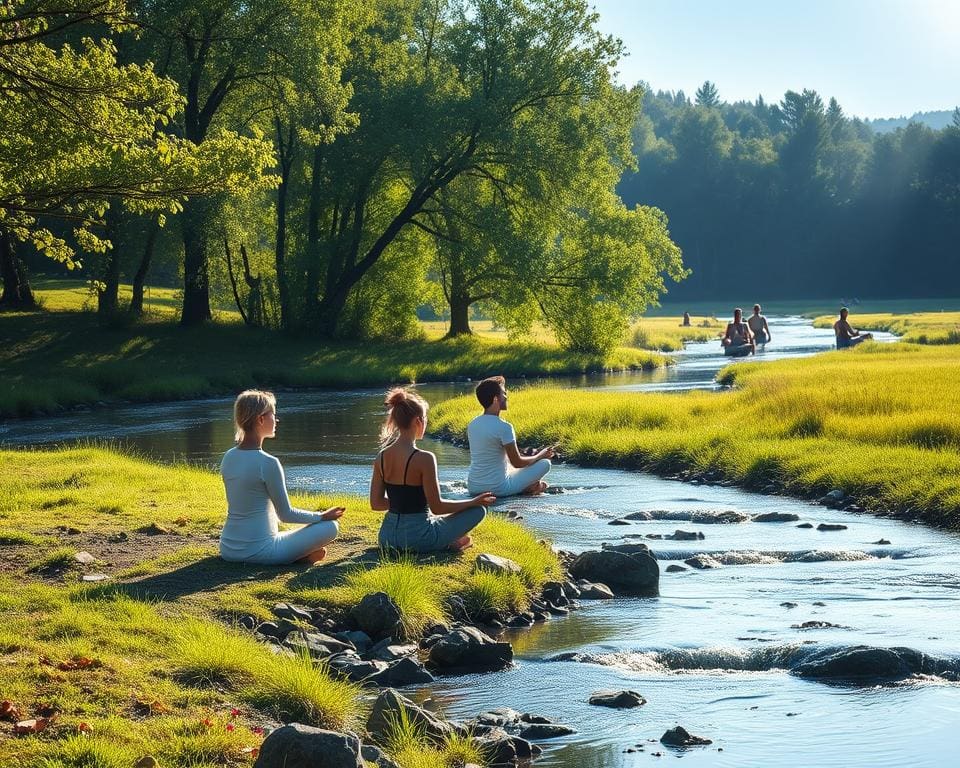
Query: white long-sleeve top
x=256, y=501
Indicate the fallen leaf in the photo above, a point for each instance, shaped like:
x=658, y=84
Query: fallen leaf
x=252, y=751
x=181, y=521
x=84, y=728
x=77, y=662
x=9, y=711
x=26, y=727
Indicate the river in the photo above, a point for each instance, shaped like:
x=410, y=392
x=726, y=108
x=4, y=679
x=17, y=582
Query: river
x=710, y=652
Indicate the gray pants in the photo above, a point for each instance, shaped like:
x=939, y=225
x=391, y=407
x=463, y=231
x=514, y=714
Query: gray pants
x=429, y=532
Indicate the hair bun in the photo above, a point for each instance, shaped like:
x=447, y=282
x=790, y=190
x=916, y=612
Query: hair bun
x=395, y=397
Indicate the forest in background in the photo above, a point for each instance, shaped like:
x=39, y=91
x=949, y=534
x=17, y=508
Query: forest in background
x=797, y=199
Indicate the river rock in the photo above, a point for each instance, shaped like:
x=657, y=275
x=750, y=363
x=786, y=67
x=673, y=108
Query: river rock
x=352, y=667
x=776, y=517
x=674, y=568
x=626, y=549
x=317, y=644
x=859, y=663
x=469, y=648
x=407, y=671
x=724, y=517
x=545, y=731
x=629, y=574
x=391, y=651
x=617, y=699
x=495, y=564
x=375, y=757
x=680, y=737
x=377, y=615
x=292, y=612
x=642, y=515
x=702, y=562
x=301, y=746
x=805, y=525
x=390, y=705
x=84, y=558
x=831, y=527
x=359, y=640
x=502, y=749
x=595, y=591
x=619, y=521
x=679, y=535
x=881, y=542
x=816, y=625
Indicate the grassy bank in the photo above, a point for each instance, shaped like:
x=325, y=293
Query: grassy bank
x=916, y=328
x=148, y=661
x=881, y=422
x=54, y=360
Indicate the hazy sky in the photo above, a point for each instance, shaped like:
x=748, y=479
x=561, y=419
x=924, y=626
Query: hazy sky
x=879, y=58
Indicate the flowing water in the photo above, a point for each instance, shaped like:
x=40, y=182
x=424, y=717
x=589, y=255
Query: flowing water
x=718, y=651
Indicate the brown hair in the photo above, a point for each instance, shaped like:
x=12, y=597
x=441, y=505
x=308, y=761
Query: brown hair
x=403, y=406
x=248, y=407
x=490, y=388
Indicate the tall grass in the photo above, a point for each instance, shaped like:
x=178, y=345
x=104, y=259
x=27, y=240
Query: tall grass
x=916, y=327
x=881, y=422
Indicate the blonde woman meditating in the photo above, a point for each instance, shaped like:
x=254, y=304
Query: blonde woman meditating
x=406, y=487
x=257, y=495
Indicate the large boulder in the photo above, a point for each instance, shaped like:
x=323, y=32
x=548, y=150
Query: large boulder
x=301, y=746
x=467, y=648
x=681, y=737
x=636, y=573
x=317, y=644
x=496, y=564
x=406, y=671
x=391, y=706
x=859, y=663
x=377, y=615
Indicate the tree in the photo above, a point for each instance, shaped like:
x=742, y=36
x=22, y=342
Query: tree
x=229, y=55
x=707, y=95
x=78, y=130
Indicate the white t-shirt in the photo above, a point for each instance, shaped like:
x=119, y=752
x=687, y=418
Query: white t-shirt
x=489, y=465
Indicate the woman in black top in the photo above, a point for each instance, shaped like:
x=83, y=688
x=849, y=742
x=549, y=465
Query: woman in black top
x=405, y=485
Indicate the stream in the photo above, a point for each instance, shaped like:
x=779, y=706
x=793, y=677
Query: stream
x=714, y=652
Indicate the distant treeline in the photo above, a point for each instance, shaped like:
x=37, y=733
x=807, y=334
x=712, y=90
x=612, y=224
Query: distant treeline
x=796, y=199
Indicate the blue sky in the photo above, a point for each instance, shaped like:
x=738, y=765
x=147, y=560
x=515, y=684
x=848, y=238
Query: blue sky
x=879, y=58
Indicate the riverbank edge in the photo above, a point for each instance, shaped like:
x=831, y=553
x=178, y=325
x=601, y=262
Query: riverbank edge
x=40, y=479
x=55, y=362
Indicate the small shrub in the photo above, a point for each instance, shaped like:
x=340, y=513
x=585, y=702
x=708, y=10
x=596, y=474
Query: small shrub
x=210, y=654
x=807, y=425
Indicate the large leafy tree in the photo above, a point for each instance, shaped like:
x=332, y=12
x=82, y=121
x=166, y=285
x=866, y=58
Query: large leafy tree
x=238, y=61
x=79, y=131
x=445, y=92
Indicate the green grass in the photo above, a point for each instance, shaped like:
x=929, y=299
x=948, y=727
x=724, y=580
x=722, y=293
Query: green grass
x=63, y=358
x=170, y=666
x=668, y=334
x=917, y=328
x=411, y=748
x=881, y=422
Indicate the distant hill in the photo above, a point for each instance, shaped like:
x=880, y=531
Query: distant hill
x=936, y=120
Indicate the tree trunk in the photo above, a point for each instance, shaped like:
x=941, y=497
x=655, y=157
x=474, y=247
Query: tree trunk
x=16, y=285
x=459, y=318
x=140, y=279
x=108, y=296
x=312, y=288
x=282, y=285
x=196, y=286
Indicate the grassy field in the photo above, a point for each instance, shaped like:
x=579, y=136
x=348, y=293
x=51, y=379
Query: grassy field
x=881, y=422
x=148, y=661
x=56, y=359
x=917, y=327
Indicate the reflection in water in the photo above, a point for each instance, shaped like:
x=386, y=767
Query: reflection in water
x=903, y=595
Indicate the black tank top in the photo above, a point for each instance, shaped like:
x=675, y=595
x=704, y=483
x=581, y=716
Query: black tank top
x=405, y=499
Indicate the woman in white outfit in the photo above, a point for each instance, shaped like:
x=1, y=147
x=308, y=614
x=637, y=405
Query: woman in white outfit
x=257, y=496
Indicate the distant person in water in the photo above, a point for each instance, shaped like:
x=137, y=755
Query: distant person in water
x=405, y=485
x=758, y=326
x=686, y=319
x=495, y=461
x=257, y=496
x=737, y=339
x=847, y=335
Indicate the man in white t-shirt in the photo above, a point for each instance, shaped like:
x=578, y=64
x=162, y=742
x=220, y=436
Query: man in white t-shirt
x=495, y=461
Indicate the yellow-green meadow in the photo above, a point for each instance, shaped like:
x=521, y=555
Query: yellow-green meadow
x=881, y=422
x=150, y=661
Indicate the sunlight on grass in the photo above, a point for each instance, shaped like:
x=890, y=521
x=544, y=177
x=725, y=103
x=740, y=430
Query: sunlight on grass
x=881, y=422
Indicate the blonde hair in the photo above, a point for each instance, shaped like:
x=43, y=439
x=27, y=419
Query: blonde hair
x=248, y=407
x=403, y=407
